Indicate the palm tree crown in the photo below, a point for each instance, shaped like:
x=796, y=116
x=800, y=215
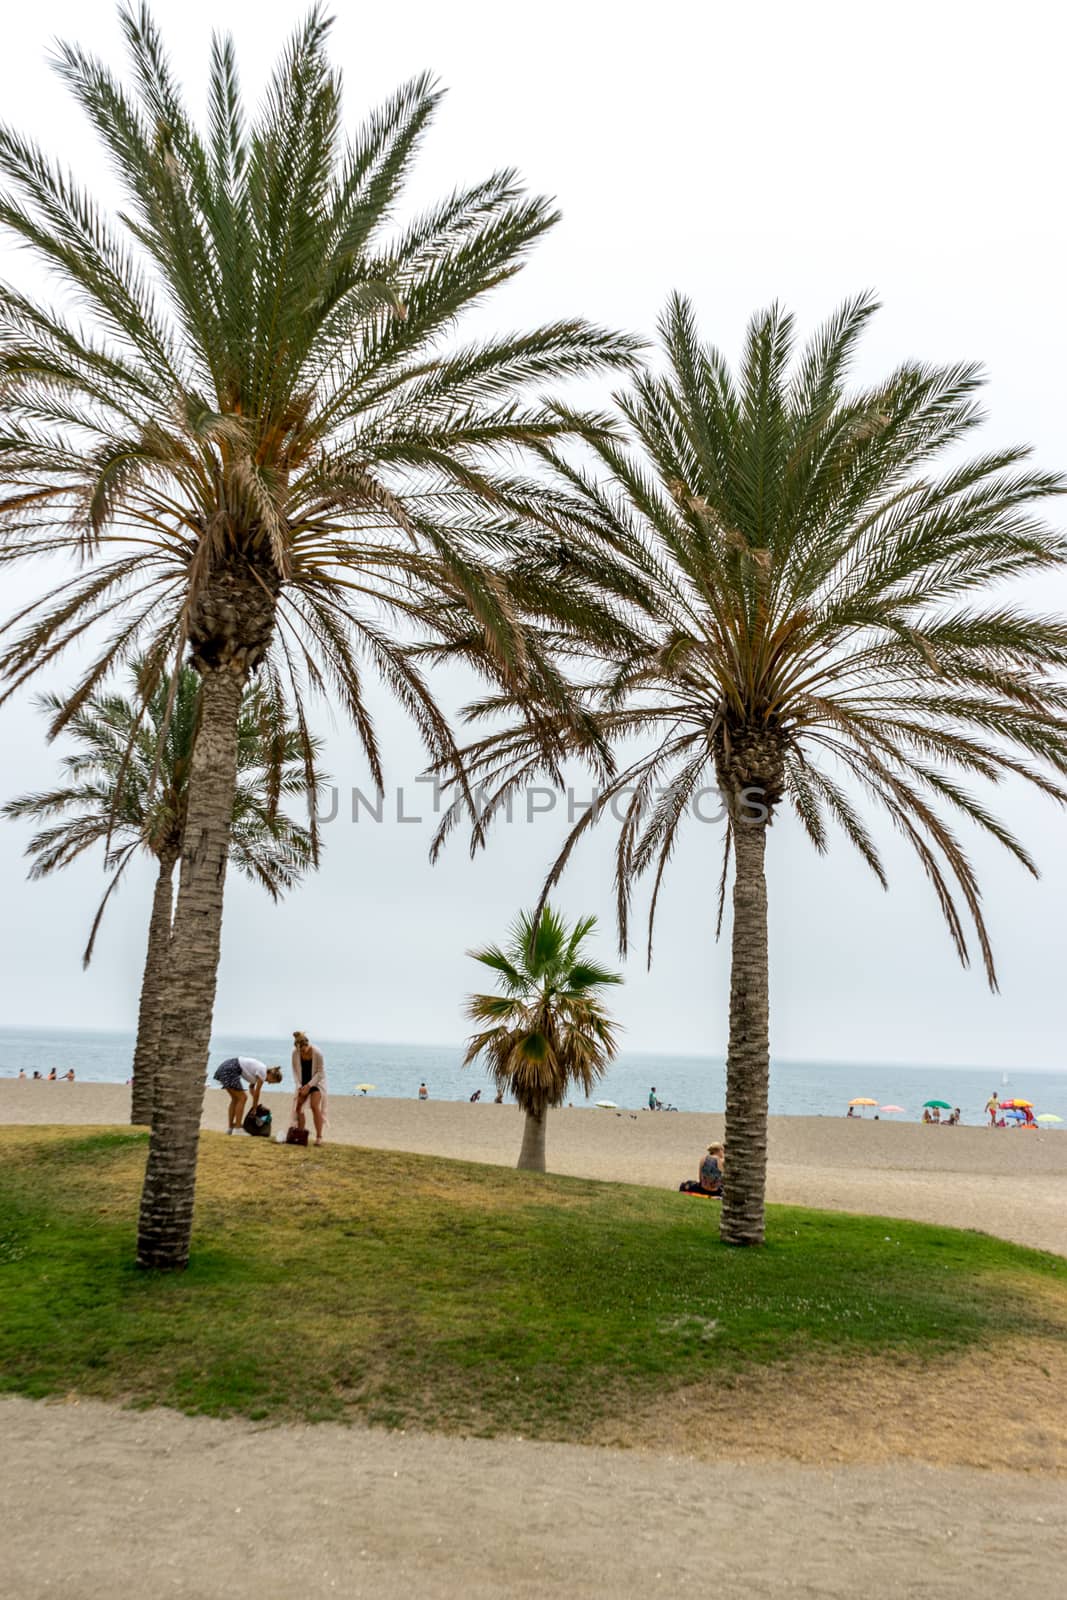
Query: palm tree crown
x=547, y=1031
x=253, y=424
x=126, y=783
x=809, y=599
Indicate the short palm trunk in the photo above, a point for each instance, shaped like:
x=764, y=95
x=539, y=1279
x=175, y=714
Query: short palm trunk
x=532, y=1153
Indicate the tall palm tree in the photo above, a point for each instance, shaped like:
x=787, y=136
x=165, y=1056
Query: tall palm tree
x=548, y=1030
x=245, y=408
x=817, y=613
x=125, y=787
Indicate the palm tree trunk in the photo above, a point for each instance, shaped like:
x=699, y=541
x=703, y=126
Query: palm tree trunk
x=748, y=1056
x=170, y=1178
x=532, y=1153
x=150, y=1014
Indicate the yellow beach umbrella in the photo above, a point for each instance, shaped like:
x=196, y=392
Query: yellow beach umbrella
x=365, y=1088
x=863, y=1101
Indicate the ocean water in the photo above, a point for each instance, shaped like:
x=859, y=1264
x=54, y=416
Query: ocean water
x=692, y=1083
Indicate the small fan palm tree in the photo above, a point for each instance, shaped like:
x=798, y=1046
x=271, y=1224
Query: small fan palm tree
x=244, y=407
x=816, y=619
x=125, y=788
x=548, y=1031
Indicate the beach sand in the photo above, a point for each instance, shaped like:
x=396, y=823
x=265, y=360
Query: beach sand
x=154, y=1504
x=1002, y=1182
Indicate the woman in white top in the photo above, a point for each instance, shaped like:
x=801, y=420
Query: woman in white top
x=233, y=1075
x=309, y=1077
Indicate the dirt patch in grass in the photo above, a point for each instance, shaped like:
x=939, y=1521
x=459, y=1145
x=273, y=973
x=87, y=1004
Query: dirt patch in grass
x=1001, y=1406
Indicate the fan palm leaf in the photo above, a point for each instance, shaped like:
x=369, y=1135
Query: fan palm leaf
x=548, y=1031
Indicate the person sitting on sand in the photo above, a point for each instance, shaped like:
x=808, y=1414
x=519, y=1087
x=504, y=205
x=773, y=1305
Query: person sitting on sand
x=68, y=1076
x=953, y=1120
x=926, y=1114
x=475, y=1097
x=424, y=1093
x=309, y=1075
x=51, y=1076
x=37, y=1075
x=234, y=1073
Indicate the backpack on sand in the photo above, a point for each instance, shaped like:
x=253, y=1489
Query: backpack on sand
x=257, y=1123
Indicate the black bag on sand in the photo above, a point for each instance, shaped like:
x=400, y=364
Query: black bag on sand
x=257, y=1123
x=297, y=1136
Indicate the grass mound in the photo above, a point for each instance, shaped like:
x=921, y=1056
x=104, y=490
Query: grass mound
x=403, y=1290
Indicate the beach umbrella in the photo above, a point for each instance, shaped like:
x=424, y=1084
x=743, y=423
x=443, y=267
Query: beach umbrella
x=936, y=1105
x=863, y=1101
x=1049, y=1116
x=1016, y=1116
x=891, y=1108
x=1016, y=1105
x=365, y=1088
x=607, y=1105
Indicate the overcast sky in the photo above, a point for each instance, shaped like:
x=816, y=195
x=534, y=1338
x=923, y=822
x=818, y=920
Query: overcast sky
x=741, y=154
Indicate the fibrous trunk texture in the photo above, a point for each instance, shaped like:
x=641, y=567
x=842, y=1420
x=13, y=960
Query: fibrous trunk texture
x=170, y=1178
x=153, y=983
x=532, y=1153
x=748, y=1055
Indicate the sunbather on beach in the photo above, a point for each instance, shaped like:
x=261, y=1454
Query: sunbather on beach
x=309, y=1075
x=236, y=1075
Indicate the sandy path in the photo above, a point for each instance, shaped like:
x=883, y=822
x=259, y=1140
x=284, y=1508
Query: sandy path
x=1006, y=1183
x=157, y=1504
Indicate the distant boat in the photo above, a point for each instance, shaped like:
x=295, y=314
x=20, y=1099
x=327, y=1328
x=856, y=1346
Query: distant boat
x=1004, y=1079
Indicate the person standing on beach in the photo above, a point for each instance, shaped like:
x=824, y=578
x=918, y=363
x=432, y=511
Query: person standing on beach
x=992, y=1106
x=309, y=1075
x=233, y=1075
x=424, y=1093
x=653, y=1103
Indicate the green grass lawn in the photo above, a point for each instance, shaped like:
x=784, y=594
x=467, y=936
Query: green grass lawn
x=399, y=1289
